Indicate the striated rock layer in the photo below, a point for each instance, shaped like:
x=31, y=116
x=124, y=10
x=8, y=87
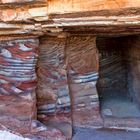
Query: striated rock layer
x=82, y=60
x=17, y=90
x=52, y=90
x=68, y=65
x=18, y=83
x=38, y=17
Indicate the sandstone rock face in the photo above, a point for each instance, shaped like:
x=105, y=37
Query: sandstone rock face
x=112, y=64
x=68, y=67
x=38, y=17
x=82, y=60
x=71, y=6
x=52, y=90
x=17, y=84
x=17, y=90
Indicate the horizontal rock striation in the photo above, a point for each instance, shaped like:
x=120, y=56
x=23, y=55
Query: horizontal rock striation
x=18, y=81
x=38, y=17
x=17, y=84
x=52, y=90
x=68, y=65
x=82, y=59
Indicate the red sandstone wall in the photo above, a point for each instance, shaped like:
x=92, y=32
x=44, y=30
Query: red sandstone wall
x=52, y=90
x=77, y=58
x=17, y=84
x=18, y=80
x=82, y=60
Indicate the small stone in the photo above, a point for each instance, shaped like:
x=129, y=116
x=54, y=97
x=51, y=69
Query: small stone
x=107, y=112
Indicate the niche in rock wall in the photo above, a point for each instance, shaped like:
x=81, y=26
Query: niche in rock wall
x=119, y=76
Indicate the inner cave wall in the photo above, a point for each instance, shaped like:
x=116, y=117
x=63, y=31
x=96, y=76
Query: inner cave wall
x=132, y=53
x=112, y=64
x=53, y=99
x=119, y=65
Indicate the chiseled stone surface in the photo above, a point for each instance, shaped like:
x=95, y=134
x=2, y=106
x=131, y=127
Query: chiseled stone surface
x=52, y=89
x=39, y=17
x=82, y=60
x=17, y=84
x=34, y=18
x=112, y=64
x=17, y=90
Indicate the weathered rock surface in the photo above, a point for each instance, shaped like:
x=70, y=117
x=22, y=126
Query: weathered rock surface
x=112, y=64
x=17, y=90
x=68, y=65
x=37, y=17
x=82, y=60
x=17, y=84
x=52, y=90
x=133, y=55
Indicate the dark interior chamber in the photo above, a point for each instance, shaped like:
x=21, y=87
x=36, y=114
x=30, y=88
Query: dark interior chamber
x=118, y=76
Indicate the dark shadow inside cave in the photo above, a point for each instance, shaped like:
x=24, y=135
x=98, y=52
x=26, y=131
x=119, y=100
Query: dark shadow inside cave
x=117, y=85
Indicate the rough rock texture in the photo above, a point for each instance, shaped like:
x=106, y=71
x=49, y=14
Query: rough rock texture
x=112, y=70
x=133, y=54
x=17, y=84
x=82, y=60
x=75, y=57
x=17, y=89
x=52, y=91
x=37, y=17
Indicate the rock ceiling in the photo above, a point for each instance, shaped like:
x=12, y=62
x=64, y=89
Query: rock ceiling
x=38, y=17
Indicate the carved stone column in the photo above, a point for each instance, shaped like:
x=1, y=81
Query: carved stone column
x=17, y=84
x=18, y=80
x=82, y=60
x=52, y=91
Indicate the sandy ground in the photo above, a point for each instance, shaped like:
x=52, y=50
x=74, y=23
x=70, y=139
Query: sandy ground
x=105, y=134
x=118, y=104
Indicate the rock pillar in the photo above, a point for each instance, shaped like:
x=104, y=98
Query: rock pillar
x=17, y=84
x=52, y=91
x=83, y=64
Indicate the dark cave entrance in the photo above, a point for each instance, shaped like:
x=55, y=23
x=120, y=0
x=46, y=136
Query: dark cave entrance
x=118, y=81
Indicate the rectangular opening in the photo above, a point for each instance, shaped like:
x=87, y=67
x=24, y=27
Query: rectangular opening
x=118, y=81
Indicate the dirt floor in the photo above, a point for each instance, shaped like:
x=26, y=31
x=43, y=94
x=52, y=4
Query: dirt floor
x=105, y=134
x=117, y=104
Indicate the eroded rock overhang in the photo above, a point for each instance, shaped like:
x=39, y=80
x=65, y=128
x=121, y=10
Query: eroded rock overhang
x=52, y=17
